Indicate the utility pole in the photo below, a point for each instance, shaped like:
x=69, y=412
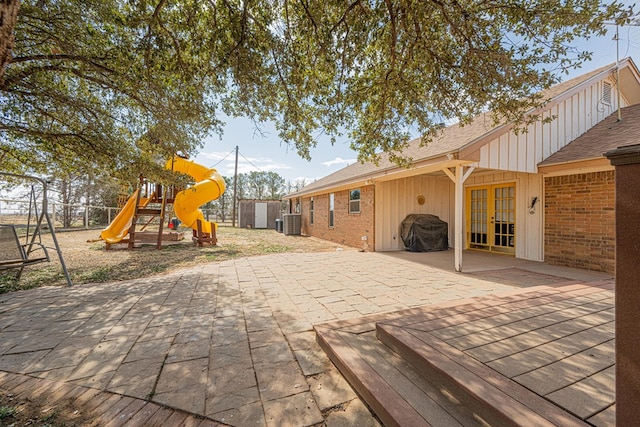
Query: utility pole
x=617, y=39
x=235, y=189
x=634, y=21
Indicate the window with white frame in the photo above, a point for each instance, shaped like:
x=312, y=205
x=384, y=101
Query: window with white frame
x=354, y=201
x=311, y=212
x=331, y=208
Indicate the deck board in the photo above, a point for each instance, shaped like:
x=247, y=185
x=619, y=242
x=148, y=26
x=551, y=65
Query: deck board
x=499, y=350
x=430, y=401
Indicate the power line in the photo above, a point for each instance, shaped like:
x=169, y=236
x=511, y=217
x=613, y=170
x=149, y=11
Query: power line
x=249, y=161
x=241, y=155
x=225, y=158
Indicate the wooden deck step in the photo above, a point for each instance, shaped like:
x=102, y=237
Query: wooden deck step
x=394, y=390
x=494, y=398
x=407, y=368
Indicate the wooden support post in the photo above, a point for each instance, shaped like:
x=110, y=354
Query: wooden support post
x=132, y=229
x=459, y=217
x=200, y=238
x=458, y=178
x=160, y=192
x=213, y=237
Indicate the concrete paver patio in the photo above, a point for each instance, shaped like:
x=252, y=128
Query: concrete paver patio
x=230, y=341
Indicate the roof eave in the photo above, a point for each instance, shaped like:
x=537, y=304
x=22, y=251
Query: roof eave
x=423, y=166
x=593, y=164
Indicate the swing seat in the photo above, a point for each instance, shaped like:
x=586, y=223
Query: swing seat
x=13, y=254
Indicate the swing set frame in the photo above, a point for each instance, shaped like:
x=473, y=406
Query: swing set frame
x=17, y=255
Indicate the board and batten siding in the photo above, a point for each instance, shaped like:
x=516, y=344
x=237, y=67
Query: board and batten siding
x=398, y=198
x=522, y=151
x=529, y=226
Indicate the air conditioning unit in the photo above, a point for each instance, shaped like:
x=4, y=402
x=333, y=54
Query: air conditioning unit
x=292, y=223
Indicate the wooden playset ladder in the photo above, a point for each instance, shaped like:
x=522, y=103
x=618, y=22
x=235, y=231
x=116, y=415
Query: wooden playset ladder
x=201, y=238
x=149, y=212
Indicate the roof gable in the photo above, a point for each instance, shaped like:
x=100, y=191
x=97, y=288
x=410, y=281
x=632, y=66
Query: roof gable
x=607, y=135
x=456, y=139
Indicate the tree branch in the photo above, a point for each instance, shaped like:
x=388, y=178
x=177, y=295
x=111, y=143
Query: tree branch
x=393, y=36
x=8, y=17
x=62, y=57
x=344, y=15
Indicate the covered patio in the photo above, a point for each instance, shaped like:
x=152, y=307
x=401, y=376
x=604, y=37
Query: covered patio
x=476, y=262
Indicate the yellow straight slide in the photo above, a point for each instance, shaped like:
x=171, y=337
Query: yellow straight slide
x=119, y=227
x=208, y=187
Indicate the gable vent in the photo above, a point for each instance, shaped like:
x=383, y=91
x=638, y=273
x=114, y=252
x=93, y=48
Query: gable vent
x=606, y=93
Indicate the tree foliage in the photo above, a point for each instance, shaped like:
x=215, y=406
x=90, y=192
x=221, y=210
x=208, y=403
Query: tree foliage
x=258, y=185
x=118, y=85
x=71, y=192
x=107, y=84
x=222, y=207
x=263, y=185
x=383, y=68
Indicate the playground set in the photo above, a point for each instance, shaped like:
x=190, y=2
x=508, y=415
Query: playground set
x=150, y=201
x=147, y=201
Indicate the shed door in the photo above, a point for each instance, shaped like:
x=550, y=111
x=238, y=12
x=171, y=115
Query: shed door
x=261, y=215
x=491, y=218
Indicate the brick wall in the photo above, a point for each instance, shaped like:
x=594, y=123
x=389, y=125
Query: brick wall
x=349, y=228
x=579, y=221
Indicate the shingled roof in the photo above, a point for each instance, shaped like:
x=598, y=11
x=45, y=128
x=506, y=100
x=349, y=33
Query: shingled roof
x=607, y=135
x=451, y=140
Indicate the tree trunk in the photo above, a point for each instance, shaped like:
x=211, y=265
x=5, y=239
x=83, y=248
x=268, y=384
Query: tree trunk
x=8, y=16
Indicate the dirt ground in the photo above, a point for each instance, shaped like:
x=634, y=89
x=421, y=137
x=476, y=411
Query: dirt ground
x=88, y=260
x=17, y=412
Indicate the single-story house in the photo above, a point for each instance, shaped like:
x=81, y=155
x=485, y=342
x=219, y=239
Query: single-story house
x=546, y=194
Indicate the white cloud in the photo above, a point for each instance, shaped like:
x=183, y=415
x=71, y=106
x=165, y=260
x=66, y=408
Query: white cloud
x=215, y=156
x=225, y=163
x=307, y=180
x=339, y=161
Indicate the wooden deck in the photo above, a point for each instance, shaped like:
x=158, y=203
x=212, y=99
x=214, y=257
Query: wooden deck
x=536, y=356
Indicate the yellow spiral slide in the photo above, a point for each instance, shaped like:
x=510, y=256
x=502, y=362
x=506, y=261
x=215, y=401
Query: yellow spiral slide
x=208, y=187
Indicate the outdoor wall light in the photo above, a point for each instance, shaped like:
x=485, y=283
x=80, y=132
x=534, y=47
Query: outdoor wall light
x=532, y=205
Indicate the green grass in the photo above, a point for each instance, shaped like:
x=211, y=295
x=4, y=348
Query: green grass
x=7, y=411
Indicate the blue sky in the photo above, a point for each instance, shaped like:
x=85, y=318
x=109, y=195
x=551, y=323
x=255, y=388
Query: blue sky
x=263, y=151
